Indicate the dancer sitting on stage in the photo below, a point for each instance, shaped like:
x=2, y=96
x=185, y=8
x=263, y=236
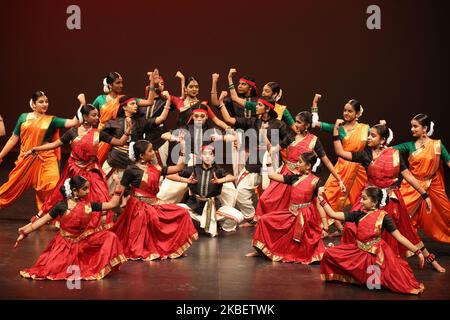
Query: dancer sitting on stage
x=83, y=161
x=80, y=250
x=275, y=196
x=352, y=262
x=2, y=127
x=118, y=159
x=426, y=158
x=147, y=228
x=354, y=138
x=198, y=131
x=205, y=185
x=108, y=104
x=294, y=234
x=383, y=166
x=42, y=173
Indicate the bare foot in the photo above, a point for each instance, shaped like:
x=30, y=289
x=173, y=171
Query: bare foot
x=253, y=254
x=438, y=267
x=247, y=225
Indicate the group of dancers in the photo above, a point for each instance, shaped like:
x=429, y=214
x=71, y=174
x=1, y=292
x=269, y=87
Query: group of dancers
x=134, y=190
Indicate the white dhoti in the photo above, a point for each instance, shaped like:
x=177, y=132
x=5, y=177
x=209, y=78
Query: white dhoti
x=227, y=217
x=246, y=200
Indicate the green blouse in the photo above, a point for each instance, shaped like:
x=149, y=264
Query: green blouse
x=328, y=127
x=55, y=124
x=408, y=148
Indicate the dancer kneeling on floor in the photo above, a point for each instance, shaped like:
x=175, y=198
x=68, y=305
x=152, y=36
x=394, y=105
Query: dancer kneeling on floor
x=350, y=262
x=79, y=243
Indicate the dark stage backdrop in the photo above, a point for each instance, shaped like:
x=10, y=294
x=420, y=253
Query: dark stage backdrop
x=306, y=46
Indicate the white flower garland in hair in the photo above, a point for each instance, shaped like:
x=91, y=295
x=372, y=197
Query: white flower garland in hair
x=80, y=115
x=391, y=137
x=31, y=104
x=431, y=130
x=384, y=199
x=279, y=95
x=391, y=133
x=316, y=165
x=106, y=87
x=361, y=111
x=67, y=190
x=131, y=154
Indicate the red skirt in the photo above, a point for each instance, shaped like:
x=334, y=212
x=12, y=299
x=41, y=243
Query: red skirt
x=275, y=232
x=275, y=197
x=348, y=263
x=94, y=256
x=397, y=211
x=98, y=189
x=149, y=232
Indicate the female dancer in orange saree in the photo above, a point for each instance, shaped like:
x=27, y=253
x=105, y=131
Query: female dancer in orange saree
x=353, y=136
x=42, y=172
x=108, y=104
x=425, y=164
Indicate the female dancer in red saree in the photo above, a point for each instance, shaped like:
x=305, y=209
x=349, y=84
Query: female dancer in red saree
x=294, y=234
x=354, y=138
x=83, y=161
x=274, y=197
x=147, y=228
x=79, y=246
x=108, y=104
x=383, y=166
x=426, y=158
x=42, y=173
x=352, y=262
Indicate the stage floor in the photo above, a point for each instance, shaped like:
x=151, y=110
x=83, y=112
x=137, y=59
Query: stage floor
x=215, y=268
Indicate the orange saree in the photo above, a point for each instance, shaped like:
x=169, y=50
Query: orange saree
x=426, y=166
x=352, y=174
x=107, y=112
x=38, y=171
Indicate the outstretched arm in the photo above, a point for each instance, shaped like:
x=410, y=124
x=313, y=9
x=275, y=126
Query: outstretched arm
x=48, y=146
x=180, y=165
x=331, y=168
x=31, y=227
x=338, y=215
x=405, y=242
x=9, y=146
